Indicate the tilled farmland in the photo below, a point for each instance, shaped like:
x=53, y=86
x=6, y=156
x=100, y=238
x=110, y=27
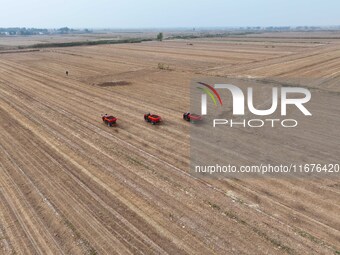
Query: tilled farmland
x=71, y=185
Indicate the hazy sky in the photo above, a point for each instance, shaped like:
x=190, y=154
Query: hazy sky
x=167, y=13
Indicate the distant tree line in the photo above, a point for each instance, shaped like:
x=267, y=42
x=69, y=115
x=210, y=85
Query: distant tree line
x=22, y=31
x=285, y=28
x=40, y=31
x=85, y=43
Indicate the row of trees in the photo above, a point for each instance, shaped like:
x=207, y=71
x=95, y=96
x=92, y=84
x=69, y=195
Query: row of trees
x=23, y=31
x=39, y=31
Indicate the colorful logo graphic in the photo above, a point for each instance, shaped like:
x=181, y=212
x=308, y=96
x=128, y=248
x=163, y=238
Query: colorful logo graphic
x=243, y=103
x=208, y=91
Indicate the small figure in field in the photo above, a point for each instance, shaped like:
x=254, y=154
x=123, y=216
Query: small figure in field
x=66, y=73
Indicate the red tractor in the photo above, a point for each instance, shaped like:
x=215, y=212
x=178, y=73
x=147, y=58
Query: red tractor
x=152, y=118
x=192, y=117
x=109, y=120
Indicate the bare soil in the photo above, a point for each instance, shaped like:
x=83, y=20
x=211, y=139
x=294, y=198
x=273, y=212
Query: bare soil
x=71, y=185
